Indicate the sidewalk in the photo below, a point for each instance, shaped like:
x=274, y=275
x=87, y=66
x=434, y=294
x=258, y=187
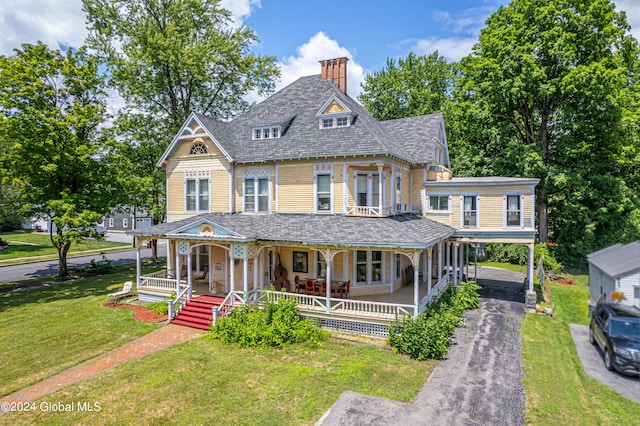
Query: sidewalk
x=162, y=338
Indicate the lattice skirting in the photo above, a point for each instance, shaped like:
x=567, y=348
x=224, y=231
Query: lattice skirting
x=379, y=330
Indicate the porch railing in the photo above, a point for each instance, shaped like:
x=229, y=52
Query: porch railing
x=175, y=306
x=159, y=280
x=233, y=299
x=368, y=211
x=435, y=292
x=341, y=306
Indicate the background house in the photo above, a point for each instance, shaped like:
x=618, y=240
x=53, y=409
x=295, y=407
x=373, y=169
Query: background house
x=616, y=268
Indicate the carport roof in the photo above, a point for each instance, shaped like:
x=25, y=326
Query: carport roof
x=400, y=231
x=617, y=260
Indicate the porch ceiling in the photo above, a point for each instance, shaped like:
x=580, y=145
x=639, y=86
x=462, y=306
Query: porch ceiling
x=400, y=231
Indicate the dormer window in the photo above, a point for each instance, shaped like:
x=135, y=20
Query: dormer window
x=340, y=121
x=267, y=132
x=327, y=122
x=198, y=148
x=334, y=113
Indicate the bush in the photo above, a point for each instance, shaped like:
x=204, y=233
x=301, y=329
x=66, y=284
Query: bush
x=161, y=308
x=428, y=336
x=518, y=255
x=274, y=326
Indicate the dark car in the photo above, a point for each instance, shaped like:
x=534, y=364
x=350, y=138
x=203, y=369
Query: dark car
x=616, y=329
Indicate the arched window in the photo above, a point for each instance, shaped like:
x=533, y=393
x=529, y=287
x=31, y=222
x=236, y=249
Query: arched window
x=198, y=148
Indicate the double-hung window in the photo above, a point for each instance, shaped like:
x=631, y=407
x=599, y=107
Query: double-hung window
x=323, y=192
x=368, y=189
x=256, y=195
x=197, y=194
x=513, y=210
x=369, y=266
x=470, y=211
x=321, y=266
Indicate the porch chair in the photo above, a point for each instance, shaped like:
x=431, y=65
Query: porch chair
x=324, y=290
x=344, y=290
x=202, y=276
x=310, y=287
x=300, y=284
x=127, y=290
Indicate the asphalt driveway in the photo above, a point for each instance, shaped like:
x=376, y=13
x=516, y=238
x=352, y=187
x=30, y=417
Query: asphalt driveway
x=479, y=383
x=592, y=360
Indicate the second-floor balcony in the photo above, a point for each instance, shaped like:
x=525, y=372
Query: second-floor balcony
x=369, y=211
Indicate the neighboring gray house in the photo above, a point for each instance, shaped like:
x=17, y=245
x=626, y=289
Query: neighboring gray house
x=616, y=268
x=123, y=219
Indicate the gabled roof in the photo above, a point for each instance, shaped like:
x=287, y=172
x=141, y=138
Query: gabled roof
x=411, y=140
x=617, y=260
x=401, y=231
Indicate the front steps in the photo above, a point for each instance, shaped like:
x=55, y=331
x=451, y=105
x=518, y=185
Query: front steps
x=197, y=312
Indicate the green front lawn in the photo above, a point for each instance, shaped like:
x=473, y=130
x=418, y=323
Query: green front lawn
x=558, y=390
x=34, y=244
x=46, y=330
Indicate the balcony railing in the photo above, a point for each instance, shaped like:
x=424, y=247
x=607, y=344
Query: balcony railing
x=368, y=211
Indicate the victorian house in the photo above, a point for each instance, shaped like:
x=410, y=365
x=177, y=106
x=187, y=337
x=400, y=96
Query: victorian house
x=360, y=220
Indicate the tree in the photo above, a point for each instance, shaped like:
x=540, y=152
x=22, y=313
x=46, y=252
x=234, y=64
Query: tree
x=167, y=58
x=544, y=93
x=416, y=85
x=51, y=105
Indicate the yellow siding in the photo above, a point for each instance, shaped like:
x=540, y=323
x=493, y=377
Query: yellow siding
x=417, y=186
x=491, y=211
x=296, y=187
x=338, y=188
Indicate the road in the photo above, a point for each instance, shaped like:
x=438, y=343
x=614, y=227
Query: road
x=50, y=267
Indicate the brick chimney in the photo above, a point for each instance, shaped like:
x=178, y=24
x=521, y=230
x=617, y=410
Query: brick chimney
x=336, y=70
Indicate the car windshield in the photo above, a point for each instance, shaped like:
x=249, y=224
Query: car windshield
x=622, y=328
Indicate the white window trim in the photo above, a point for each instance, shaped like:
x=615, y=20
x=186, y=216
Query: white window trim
x=111, y=222
x=462, y=225
x=269, y=131
x=369, y=187
x=322, y=169
x=256, y=189
x=125, y=222
x=334, y=120
x=369, y=281
x=440, y=194
x=504, y=210
x=199, y=176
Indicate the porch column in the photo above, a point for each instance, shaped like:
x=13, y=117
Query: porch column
x=245, y=277
x=189, y=274
x=455, y=264
x=380, y=189
x=328, y=255
x=232, y=274
x=447, y=252
x=255, y=273
x=461, y=260
x=530, y=265
x=177, y=270
x=439, y=261
x=138, y=266
x=261, y=261
x=429, y=266
x=210, y=274
x=415, y=261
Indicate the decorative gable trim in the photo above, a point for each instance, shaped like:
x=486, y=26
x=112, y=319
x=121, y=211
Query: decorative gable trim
x=334, y=106
x=184, y=134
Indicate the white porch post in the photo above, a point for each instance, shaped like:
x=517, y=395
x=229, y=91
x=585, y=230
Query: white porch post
x=210, y=274
x=177, y=270
x=245, y=277
x=429, y=266
x=530, y=265
x=439, y=261
x=380, y=189
x=328, y=255
x=232, y=273
x=261, y=261
x=455, y=264
x=138, y=266
x=255, y=273
x=189, y=274
x=415, y=259
x=447, y=249
x=461, y=260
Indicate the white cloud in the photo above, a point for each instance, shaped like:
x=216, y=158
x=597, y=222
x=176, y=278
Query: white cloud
x=307, y=62
x=52, y=22
x=453, y=49
x=240, y=9
x=633, y=14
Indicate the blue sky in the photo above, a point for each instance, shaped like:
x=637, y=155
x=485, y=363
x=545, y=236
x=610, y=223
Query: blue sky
x=302, y=32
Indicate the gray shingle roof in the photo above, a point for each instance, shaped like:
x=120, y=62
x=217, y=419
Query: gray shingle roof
x=411, y=139
x=617, y=260
x=401, y=231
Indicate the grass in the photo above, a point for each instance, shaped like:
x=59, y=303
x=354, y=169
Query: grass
x=46, y=330
x=38, y=245
x=207, y=382
x=503, y=265
x=558, y=390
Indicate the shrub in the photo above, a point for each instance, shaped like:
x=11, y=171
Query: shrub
x=518, y=255
x=274, y=326
x=428, y=336
x=161, y=308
